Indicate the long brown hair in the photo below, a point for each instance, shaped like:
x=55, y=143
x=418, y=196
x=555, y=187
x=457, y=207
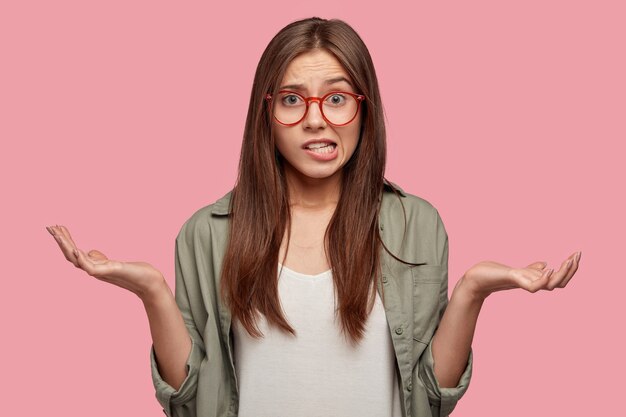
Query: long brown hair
x=260, y=202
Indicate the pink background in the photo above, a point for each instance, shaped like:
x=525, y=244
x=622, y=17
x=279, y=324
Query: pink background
x=120, y=119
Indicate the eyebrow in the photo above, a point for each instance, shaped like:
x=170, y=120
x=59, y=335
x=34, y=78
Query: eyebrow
x=330, y=81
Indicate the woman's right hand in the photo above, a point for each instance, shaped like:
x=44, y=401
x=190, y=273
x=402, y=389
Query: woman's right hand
x=140, y=278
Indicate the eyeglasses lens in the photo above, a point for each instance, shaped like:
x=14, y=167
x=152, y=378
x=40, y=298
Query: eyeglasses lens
x=338, y=108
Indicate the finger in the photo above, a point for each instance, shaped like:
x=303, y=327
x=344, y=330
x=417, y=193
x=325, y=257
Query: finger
x=531, y=280
x=54, y=234
x=65, y=246
x=102, y=269
x=68, y=237
x=531, y=273
x=63, y=237
x=539, y=265
x=93, y=254
x=560, y=275
x=541, y=282
x=96, y=255
x=85, y=263
x=573, y=270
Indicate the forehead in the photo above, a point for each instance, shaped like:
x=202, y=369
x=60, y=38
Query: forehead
x=312, y=67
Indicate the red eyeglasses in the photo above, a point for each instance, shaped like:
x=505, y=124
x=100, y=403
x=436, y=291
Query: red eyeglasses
x=338, y=108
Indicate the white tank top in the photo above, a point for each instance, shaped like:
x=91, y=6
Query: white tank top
x=317, y=372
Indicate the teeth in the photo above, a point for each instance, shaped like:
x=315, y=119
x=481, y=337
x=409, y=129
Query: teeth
x=319, y=145
x=325, y=149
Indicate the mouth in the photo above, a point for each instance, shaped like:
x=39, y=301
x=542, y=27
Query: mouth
x=322, y=148
x=320, y=145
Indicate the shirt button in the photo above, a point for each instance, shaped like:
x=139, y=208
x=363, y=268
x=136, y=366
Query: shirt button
x=384, y=279
x=382, y=227
x=399, y=330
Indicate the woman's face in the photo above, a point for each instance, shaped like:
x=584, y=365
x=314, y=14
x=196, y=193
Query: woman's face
x=312, y=71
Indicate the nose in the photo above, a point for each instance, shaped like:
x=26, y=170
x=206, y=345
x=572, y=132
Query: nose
x=313, y=119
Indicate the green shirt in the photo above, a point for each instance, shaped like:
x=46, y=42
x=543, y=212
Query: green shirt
x=415, y=298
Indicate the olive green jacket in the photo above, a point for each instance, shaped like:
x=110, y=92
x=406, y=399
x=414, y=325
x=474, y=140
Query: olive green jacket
x=415, y=298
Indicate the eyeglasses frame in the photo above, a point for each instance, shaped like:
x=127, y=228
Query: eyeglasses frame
x=320, y=100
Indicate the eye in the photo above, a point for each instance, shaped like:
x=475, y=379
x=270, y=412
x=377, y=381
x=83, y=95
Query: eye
x=290, y=99
x=336, y=99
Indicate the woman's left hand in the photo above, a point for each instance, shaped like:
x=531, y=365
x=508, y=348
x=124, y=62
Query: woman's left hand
x=487, y=277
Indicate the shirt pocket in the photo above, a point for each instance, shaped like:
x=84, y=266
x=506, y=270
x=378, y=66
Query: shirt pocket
x=427, y=280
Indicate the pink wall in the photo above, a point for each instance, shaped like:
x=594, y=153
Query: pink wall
x=119, y=120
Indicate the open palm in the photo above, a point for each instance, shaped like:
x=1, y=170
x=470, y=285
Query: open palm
x=137, y=277
x=487, y=277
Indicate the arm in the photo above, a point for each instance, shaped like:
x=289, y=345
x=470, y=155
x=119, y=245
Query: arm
x=177, y=346
x=447, y=379
x=170, y=338
x=450, y=347
x=452, y=341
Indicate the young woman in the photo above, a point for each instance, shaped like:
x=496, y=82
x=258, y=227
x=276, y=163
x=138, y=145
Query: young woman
x=315, y=287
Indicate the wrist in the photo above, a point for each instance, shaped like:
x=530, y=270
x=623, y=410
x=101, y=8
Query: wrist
x=156, y=293
x=470, y=290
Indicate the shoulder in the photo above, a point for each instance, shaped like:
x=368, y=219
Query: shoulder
x=395, y=198
x=206, y=218
x=412, y=227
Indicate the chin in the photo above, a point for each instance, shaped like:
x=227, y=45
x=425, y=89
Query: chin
x=314, y=170
x=317, y=173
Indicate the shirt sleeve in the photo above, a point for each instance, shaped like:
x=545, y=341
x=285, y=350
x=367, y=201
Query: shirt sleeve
x=442, y=400
x=181, y=402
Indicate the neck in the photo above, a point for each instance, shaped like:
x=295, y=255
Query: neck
x=312, y=193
